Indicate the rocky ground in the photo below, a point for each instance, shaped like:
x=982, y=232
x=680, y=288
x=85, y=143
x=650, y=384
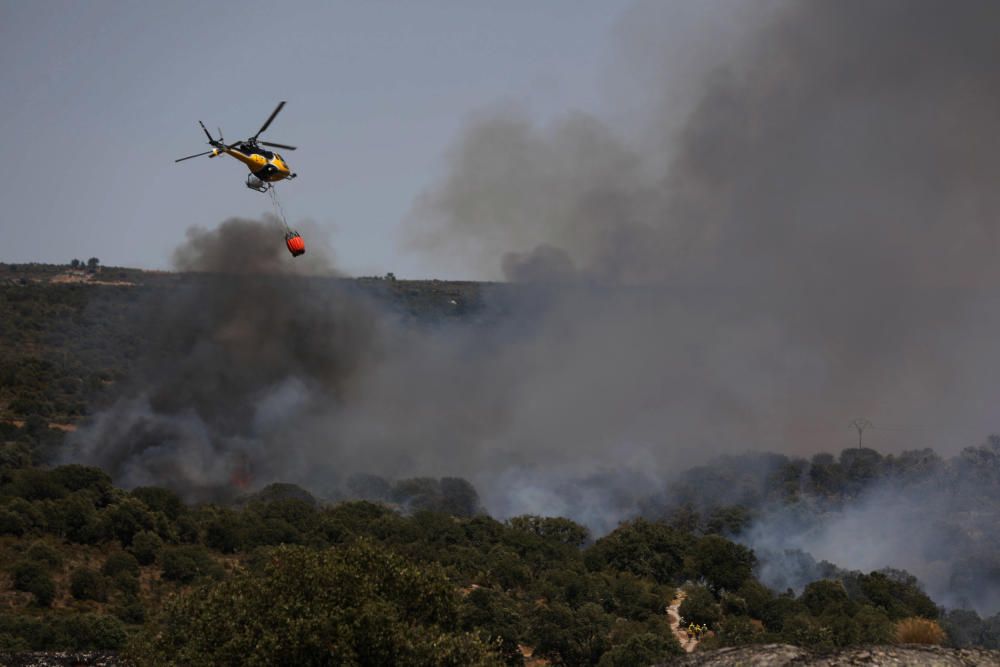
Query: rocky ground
x=62, y=659
x=782, y=655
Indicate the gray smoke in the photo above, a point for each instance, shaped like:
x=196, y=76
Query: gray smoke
x=824, y=226
x=238, y=351
x=938, y=521
x=815, y=241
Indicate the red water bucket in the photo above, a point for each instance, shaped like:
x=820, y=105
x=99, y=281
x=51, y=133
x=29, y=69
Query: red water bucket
x=295, y=244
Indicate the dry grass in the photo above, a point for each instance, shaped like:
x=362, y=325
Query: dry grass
x=919, y=631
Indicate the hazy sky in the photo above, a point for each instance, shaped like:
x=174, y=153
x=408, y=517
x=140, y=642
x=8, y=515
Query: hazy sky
x=101, y=97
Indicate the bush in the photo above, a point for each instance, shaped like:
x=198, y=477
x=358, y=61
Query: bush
x=126, y=583
x=120, y=561
x=86, y=632
x=87, y=584
x=736, y=630
x=75, y=477
x=145, y=547
x=159, y=499
x=874, y=626
x=724, y=565
x=919, y=631
x=699, y=607
x=47, y=555
x=357, y=605
x=224, y=533
x=644, y=548
x=187, y=563
x=642, y=649
x=129, y=518
x=131, y=612
x=12, y=523
x=826, y=596
x=33, y=578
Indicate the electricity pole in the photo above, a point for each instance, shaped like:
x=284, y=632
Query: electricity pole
x=860, y=424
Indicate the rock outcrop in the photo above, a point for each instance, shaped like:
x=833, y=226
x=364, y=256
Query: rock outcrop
x=783, y=655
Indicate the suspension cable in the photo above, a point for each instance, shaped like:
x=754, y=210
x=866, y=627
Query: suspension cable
x=279, y=211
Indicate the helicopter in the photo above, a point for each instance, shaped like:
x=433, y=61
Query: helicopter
x=266, y=167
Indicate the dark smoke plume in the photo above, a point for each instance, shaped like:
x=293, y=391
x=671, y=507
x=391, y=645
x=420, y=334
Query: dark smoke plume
x=815, y=241
x=237, y=353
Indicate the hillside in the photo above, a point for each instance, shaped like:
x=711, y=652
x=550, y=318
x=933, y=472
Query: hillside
x=411, y=568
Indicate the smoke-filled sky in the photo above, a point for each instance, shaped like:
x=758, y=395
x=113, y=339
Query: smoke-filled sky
x=100, y=97
x=808, y=234
x=740, y=227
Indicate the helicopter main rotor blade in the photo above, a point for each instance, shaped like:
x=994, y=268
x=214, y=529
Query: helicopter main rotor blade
x=210, y=139
x=286, y=147
x=191, y=156
x=268, y=121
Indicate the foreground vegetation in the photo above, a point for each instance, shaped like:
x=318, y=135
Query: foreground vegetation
x=416, y=574
x=92, y=566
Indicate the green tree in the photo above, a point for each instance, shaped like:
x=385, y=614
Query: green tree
x=127, y=518
x=897, y=593
x=120, y=561
x=557, y=529
x=827, y=597
x=146, y=547
x=699, y=607
x=642, y=649
x=644, y=548
x=32, y=577
x=158, y=499
x=568, y=636
x=358, y=605
x=723, y=564
x=874, y=626
x=87, y=584
x=459, y=497
x=187, y=563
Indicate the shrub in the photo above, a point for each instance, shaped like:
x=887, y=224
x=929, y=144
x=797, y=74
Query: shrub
x=44, y=554
x=12, y=523
x=87, y=584
x=736, y=630
x=126, y=583
x=699, y=607
x=131, y=612
x=120, y=561
x=34, y=578
x=724, y=565
x=129, y=518
x=187, y=563
x=644, y=548
x=145, y=547
x=642, y=649
x=357, y=605
x=88, y=632
x=159, y=499
x=874, y=626
x=919, y=631
x=224, y=533
x=826, y=596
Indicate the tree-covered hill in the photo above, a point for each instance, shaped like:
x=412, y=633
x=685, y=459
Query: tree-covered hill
x=406, y=570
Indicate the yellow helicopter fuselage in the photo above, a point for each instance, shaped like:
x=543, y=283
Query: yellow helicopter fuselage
x=265, y=165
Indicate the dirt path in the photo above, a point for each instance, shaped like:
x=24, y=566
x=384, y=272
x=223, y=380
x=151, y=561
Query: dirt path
x=674, y=614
